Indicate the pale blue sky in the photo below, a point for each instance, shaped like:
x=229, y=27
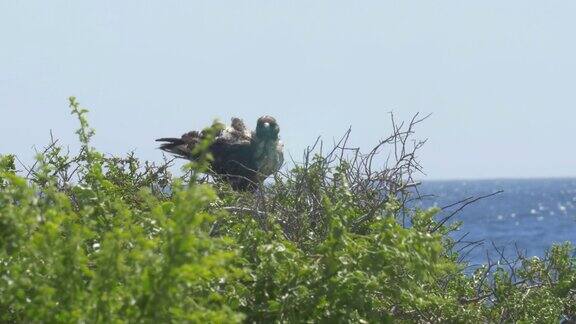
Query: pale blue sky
x=498, y=76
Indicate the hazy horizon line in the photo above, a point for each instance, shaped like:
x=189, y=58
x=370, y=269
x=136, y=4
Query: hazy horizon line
x=499, y=178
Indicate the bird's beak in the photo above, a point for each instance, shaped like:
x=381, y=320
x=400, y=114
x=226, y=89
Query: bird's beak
x=266, y=125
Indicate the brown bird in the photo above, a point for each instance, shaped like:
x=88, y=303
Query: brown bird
x=242, y=158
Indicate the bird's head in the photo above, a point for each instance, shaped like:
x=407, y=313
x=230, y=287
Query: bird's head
x=267, y=128
x=238, y=124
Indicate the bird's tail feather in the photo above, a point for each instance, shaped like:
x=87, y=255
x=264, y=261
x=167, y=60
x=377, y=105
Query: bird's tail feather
x=175, y=146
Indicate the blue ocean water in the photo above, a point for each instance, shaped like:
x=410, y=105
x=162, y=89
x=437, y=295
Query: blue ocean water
x=531, y=214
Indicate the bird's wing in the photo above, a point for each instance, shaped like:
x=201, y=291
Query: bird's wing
x=226, y=153
x=183, y=146
x=233, y=160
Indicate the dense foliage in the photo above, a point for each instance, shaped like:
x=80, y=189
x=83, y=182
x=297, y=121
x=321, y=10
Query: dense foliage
x=91, y=238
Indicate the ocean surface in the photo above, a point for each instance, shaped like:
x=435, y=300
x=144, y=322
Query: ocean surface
x=530, y=214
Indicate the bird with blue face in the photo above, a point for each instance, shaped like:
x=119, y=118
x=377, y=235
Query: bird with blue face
x=242, y=158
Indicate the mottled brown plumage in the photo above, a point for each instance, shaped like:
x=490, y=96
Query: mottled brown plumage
x=242, y=158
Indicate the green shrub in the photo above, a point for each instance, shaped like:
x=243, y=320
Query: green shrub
x=92, y=238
